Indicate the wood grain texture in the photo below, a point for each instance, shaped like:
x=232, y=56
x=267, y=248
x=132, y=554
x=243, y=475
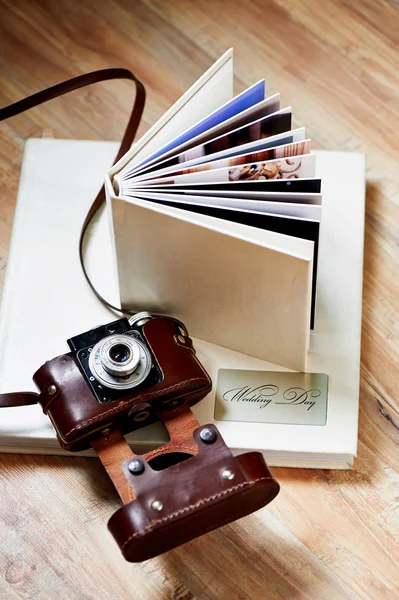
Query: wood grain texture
x=329, y=535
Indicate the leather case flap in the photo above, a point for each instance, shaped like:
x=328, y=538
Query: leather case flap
x=183, y=501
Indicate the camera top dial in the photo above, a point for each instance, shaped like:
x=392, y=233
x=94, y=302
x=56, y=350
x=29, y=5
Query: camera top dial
x=120, y=362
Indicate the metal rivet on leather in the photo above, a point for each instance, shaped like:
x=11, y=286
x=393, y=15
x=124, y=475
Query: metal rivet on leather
x=207, y=435
x=171, y=403
x=228, y=474
x=136, y=466
x=157, y=505
x=141, y=416
x=52, y=390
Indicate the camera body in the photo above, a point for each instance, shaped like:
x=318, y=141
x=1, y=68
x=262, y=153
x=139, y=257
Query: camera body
x=120, y=375
x=115, y=358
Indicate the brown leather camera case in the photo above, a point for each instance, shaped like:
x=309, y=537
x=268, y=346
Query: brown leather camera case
x=168, y=507
x=76, y=414
x=174, y=493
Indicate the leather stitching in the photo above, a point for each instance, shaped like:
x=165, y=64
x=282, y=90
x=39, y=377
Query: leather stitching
x=46, y=407
x=197, y=505
x=185, y=538
x=153, y=453
x=131, y=493
x=122, y=404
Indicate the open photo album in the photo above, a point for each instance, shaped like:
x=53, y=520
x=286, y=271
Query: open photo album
x=229, y=190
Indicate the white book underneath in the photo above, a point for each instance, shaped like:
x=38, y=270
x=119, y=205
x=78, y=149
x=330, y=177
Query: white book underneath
x=46, y=300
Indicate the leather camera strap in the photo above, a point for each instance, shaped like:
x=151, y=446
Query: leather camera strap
x=26, y=398
x=18, y=399
x=131, y=129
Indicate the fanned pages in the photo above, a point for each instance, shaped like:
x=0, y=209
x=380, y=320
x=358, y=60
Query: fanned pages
x=217, y=223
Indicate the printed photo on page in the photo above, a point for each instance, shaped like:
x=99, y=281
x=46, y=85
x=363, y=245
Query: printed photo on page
x=169, y=166
x=273, y=124
x=284, y=168
x=285, y=151
x=252, y=113
x=243, y=101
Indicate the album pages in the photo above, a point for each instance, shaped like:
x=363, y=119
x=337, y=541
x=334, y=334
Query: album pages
x=218, y=223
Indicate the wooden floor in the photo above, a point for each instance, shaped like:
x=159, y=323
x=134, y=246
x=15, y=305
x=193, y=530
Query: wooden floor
x=329, y=535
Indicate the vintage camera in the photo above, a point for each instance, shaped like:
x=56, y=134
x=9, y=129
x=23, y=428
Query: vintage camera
x=126, y=374
x=115, y=358
x=122, y=374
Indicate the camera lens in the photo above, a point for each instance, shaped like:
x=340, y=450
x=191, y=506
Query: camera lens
x=119, y=353
x=120, y=361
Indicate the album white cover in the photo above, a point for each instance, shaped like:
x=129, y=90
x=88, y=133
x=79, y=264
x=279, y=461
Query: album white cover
x=46, y=300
